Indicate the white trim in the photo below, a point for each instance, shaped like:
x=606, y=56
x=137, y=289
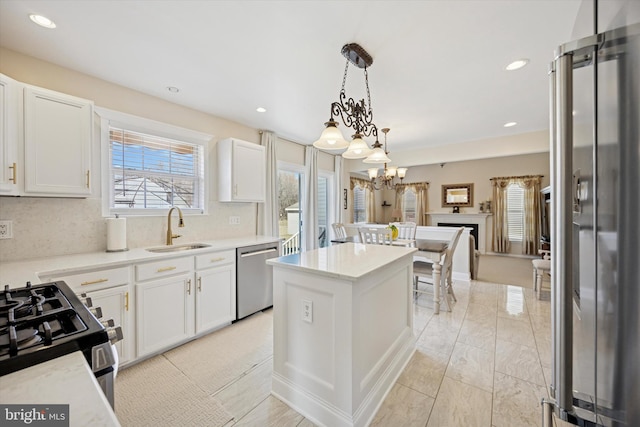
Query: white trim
x=144, y=125
x=141, y=124
x=480, y=219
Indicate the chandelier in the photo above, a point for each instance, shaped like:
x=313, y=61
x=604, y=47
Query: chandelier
x=358, y=116
x=355, y=115
x=386, y=180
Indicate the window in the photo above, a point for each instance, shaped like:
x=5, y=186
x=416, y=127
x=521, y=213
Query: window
x=409, y=206
x=150, y=166
x=359, y=204
x=515, y=212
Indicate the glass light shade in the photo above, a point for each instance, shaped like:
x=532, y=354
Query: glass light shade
x=390, y=172
x=373, y=173
x=331, y=139
x=402, y=172
x=377, y=156
x=358, y=149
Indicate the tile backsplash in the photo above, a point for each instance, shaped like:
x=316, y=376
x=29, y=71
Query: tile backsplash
x=49, y=227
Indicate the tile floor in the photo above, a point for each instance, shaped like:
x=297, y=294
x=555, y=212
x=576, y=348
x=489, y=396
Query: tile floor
x=486, y=363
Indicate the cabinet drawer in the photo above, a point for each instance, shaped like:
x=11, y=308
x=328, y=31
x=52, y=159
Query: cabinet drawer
x=164, y=268
x=215, y=259
x=92, y=281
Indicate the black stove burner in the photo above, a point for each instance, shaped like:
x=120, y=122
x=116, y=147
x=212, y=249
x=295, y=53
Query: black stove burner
x=21, y=337
x=38, y=323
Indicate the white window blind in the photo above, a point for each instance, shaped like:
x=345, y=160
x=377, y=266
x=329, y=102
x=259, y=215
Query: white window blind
x=153, y=172
x=515, y=211
x=409, y=206
x=359, y=203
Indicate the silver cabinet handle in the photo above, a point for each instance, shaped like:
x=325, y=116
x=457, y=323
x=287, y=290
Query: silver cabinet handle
x=189, y=286
x=266, y=251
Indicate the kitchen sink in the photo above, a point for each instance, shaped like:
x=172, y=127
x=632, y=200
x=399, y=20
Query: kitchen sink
x=179, y=248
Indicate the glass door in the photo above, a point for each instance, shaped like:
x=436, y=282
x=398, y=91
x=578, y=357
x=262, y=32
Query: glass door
x=290, y=209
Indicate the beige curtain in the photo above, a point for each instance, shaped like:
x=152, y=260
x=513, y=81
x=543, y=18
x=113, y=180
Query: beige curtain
x=532, y=213
x=422, y=204
x=500, y=242
x=399, y=202
x=370, y=197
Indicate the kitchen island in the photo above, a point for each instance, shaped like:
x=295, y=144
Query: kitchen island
x=343, y=329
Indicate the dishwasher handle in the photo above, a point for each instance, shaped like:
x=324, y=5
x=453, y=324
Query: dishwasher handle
x=264, y=251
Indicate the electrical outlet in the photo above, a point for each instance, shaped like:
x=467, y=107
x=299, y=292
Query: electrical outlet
x=307, y=311
x=235, y=220
x=6, y=230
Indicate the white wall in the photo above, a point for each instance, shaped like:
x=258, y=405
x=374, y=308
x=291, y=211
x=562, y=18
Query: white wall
x=478, y=172
x=46, y=227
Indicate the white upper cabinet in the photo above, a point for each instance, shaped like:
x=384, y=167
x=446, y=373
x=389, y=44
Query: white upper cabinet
x=9, y=128
x=241, y=171
x=57, y=144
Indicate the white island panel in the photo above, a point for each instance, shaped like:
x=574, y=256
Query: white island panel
x=337, y=369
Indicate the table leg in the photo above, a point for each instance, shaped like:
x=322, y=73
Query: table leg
x=437, y=271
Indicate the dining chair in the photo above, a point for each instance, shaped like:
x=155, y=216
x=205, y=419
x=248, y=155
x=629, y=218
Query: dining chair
x=406, y=230
x=541, y=267
x=424, y=270
x=339, y=230
x=375, y=236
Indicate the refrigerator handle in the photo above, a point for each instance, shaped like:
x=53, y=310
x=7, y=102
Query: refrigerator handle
x=562, y=274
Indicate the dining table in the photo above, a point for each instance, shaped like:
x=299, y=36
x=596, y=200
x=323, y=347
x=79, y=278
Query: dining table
x=356, y=239
x=430, y=250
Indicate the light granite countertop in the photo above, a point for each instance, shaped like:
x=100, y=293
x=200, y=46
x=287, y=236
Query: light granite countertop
x=17, y=273
x=349, y=261
x=63, y=380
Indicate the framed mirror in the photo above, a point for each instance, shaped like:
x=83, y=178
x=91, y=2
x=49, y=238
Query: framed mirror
x=457, y=195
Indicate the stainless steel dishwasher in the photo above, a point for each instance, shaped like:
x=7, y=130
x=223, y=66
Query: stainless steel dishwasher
x=254, y=278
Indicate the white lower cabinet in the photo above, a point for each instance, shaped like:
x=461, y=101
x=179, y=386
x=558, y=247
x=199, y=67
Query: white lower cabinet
x=179, y=298
x=114, y=303
x=215, y=297
x=164, y=310
x=109, y=289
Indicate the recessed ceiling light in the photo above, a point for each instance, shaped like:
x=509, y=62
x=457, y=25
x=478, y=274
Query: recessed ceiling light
x=173, y=89
x=516, y=65
x=43, y=21
x=508, y=125
x=261, y=110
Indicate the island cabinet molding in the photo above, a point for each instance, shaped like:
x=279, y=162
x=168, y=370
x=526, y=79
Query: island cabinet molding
x=343, y=329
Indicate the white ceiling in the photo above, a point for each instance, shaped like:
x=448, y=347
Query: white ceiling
x=437, y=78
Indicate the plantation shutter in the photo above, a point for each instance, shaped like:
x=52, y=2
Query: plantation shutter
x=515, y=212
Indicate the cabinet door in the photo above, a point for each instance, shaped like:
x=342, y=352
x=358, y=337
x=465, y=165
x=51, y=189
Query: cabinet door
x=115, y=304
x=249, y=172
x=164, y=312
x=215, y=297
x=9, y=108
x=57, y=143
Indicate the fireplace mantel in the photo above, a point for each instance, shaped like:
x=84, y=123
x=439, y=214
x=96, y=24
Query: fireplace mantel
x=480, y=219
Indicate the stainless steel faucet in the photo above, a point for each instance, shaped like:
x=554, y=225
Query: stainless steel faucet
x=170, y=235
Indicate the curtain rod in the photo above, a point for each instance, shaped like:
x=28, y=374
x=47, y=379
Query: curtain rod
x=512, y=177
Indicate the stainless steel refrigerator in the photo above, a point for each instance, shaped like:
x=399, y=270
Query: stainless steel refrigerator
x=595, y=174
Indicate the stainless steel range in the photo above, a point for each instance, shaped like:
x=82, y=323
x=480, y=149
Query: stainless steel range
x=39, y=323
